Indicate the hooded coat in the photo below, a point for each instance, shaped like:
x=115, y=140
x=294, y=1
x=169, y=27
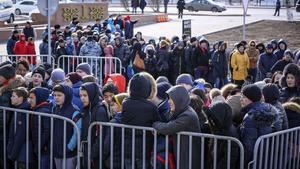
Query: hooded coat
x=201, y=56
x=68, y=110
x=253, y=55
x=221, y=115
x=293, y=114
x=184, y=118
x=240, y=65
x=138, y=111
x=44, y=107
x=11, y=44
x=122, y=52
x=279, y=52
x=258, y=121
x=177, y=62
x=109, y=66
x=220, y=63
x=76, y=97
x=94, y=112
x=20, y=46
x=16, y=144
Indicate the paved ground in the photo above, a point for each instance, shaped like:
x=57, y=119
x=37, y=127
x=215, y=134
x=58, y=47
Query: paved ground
x=202, y=22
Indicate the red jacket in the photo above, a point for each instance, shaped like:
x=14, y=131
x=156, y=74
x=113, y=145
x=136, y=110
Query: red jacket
x=31, y=51
x=20, y=46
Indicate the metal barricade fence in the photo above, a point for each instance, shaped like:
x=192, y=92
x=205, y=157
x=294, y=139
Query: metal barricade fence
x=10, y=115
x=33, y=60
x=277, y=150
x=109, y=153
x=100, y=66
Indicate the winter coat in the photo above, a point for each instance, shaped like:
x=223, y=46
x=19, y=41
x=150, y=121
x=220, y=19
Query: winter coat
x=240, y=65
x=43, y=48
x=177, y=61
x=28, y=32
x=109, y=66
x=76, y=98
x=111, y=25
x=235, y=104
x=68, y=110
x=143, y=4
x=42, y=107
x=135, y=3
x=200, y=57
x=122, y=52
x=150, y=65
x=119, y=22
x=181, y=5
x=70, y=48
x=265, y=63
x=189, y=50
x=90, y=48
x=129, y=29
x=184, y=118
x=31, y=51
x=220, y=64
x=20, y=47
x=280, y=53
x=94, y=113
x=163, y=56
x=293, y=114
x=253, y=55
x=139, y=111
x=10, y=45
x=97, y=26
x=257, y=122
x=16, y=144
x=286, y=93
x=279, y=66
x=221, y=116
x=282, y=114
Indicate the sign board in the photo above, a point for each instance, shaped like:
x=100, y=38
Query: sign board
x=43, y=6
x=245, y=5
x=187, y=27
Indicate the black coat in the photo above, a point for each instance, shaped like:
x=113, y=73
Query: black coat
x=181, y=5
x=135, y=3
x=286, y=93
x=163, y=57
x=293, y=114
x=220, y=64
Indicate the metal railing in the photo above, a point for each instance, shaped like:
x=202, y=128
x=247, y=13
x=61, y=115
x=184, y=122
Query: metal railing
x=100, y=66
x=277, y=150
x=33, y=60
x=138, y=138
x=14, y=113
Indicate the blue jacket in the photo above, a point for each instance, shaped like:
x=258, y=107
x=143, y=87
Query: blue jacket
x=10, y=46
x=257, y=122
x=76, y=98
x=220, y=64
x=16, y=146
x=43, y=107
x=68, y=110
x=265, y=63
x=280, y=53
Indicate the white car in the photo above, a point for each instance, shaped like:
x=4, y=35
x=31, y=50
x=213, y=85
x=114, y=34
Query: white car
x=25, y=7
x=7, y=11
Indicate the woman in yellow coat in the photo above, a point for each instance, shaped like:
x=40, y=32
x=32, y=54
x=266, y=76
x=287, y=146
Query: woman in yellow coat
x=240, y=65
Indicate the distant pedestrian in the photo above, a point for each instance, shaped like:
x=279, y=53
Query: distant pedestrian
x=166, y=5
x=134, y=5
x=277, y=10
x=143, y=4
x=180, y=7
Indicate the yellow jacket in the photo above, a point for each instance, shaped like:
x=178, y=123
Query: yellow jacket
x=240, y=65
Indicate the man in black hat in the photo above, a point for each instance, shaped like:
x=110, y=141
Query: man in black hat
x=258, y=120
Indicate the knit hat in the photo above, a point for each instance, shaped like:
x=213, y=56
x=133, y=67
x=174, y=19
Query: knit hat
x=41, y=94
x=84, y=67
x=161, y=90
x=39, y=70
x=7, y=71
x=162, y=79
x=74, y=77
x=57, y=75
x=185, y=79
x=252, y=92
x=119, y=98
x=270, y=92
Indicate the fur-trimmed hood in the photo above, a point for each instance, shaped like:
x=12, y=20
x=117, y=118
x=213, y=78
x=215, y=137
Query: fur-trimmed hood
x=13, y=83
x=292, y=106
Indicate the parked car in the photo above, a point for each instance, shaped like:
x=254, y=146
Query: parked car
x=25, y=7
x=298, y=6
x=7, y=11
x=204, y=5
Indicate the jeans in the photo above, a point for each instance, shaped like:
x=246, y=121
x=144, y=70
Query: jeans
x=220, y=82
x=45, y=162
x=252, y=72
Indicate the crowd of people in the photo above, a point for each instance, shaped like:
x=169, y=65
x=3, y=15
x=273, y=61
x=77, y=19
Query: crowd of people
x=182, y=84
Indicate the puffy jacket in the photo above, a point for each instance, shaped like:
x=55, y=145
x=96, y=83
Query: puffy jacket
x=220, y=64
x=293, y=114
x=163, y=57
x=279, y=65
x=16, y=144
x=20, y=46
x=68, y=110
x=240, y=65
x=10, y=45
x=90, y=48
x=286, y=93
x=265, y=63
x=257, y=122
x=279, y=52
x=122, y=52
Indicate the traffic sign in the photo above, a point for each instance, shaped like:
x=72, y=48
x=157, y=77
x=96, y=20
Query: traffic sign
x=43, y=6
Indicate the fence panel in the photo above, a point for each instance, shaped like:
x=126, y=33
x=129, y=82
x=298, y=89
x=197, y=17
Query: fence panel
x=33, y=60
x=277, y=150
x=111, y=144
x=100, y=66
x=28, y=153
